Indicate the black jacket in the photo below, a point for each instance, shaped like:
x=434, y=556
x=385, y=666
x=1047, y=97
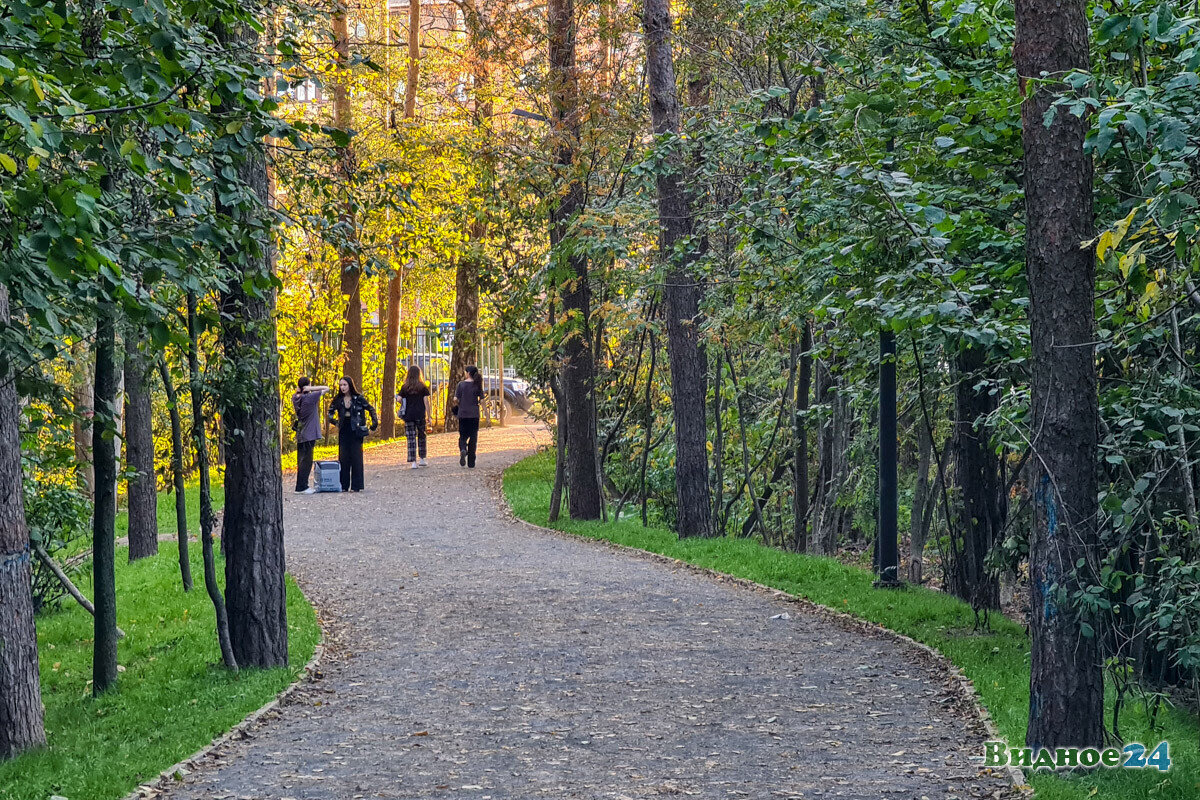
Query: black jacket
x=360, y=407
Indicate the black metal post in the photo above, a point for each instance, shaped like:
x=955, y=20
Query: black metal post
x=888, y=532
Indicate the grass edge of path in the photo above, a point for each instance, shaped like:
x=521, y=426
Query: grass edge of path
x=996, y=664
x=104, y=748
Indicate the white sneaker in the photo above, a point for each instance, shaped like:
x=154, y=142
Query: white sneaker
x=309, y=490
x=413, y=465
x=423, y=463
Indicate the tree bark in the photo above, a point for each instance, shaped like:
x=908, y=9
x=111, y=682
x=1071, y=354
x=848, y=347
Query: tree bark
x=578, y=366
x=177, y=476
x=104, y=511
x=21, y=724
x=252, y=533
x=351, y=270
x=800, y=455
x=465, y=350
x=387, y=396
x=977, y=469
x=918, y=524
x=681, y=291
x=142, y=489
x=1066, y=701
x=200, y=440
x=82, y=376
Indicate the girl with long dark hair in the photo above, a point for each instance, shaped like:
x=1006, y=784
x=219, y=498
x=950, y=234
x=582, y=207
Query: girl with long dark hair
x=415, y=394
x=467, y=395
x=349, y=411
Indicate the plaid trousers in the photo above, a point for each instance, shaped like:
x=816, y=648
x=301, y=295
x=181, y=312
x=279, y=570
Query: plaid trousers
x=414, y=432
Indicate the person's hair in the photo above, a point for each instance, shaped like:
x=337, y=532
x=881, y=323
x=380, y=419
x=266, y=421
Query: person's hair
x=413, y=383
x=476, y=377
x=350, y=381
x=300, y=384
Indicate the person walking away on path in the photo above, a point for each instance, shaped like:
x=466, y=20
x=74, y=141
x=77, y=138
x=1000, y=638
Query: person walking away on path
x=467, y=395
x=307, y=404
x=349, y=411
x=415, y=396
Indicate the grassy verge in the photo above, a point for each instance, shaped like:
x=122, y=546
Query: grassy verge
x=173, y=696
x=997, y=663
x=166, y=508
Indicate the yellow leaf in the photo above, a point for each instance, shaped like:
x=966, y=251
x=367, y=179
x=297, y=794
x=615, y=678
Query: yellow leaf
x=37, y=88
x=233, y=127
x=7, y=162
x=33, y=162
x=127, y=146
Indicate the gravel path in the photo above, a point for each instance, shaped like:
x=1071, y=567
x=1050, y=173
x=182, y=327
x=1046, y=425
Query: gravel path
x=472, y=657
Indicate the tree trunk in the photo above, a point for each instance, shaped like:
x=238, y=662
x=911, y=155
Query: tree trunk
x=578, y=366
x=918, y=521
x=465, y=350
x=681, y=291
x=177, y=476
x=387, y=418
x=200, y=440
x=560, y=453
x=142, y=489
x=1066, y=701
x=21, y=725
x=351, y=270
x=800, y=455
x=82, y=376
x=414, y=59
x=977, y=473
x=387, y=396
x=252, y=533
x=104, y=512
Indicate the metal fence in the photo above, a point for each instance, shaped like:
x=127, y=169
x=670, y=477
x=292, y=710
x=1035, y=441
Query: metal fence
x=430, y=347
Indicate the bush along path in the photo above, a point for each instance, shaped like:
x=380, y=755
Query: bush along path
x=470, y=656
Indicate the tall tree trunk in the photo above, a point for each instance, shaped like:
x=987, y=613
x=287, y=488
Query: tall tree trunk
x=142, y=488
x=252, y=533
x=200, y=440
x=919, y=518
x=21, y=725
x=351, y=270
x=395, y=284
x=387, y=398
x=177, y=475
x=465, y=350
x=560, y=452
x=414, y=59
x=1066, y=702
x=82, y=376
x=681, y=291
x=977, y=469
x=800, y=455
x=579, y=364
x=104, y=511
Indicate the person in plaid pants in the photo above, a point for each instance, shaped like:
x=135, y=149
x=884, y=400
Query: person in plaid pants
x=415, y=396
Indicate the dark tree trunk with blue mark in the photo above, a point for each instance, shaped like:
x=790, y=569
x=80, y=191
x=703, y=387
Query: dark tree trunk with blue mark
x=1066, y=684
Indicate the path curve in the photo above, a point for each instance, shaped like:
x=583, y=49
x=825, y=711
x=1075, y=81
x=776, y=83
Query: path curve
x=469, y=656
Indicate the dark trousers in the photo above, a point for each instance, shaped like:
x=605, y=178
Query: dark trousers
x=468, y=437
x=350, y=456
x=304, y=464
x=414, y=432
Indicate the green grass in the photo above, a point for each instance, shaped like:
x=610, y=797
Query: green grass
x=172, y=698
x=997, y=663
x=166, y=508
